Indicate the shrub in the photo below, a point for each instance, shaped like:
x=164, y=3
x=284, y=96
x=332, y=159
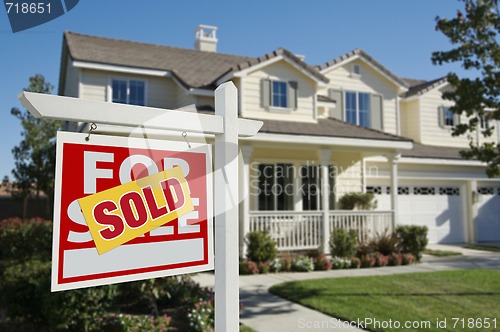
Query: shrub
x=361, y=201
x=341, y=263
x=322, y=263
x=381, y=260
x=408, y=259
x=355, y=262
x=248, y=267
x=367, y=261
x=386, y=243
x=365, y=248
x=24, y=240
x=286, y=262
x=264, y=267
x=343, y=243
x=25, y=295
x=275, y=265
x=302, y=264
x=395, y=259
x=202, y=316
x=261, y=248
x=413, y=239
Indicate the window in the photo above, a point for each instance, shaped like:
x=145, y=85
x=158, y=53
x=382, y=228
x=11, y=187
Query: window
x=356, y=70
x=276, y=187
x=447, y=119
x=279, y=94
x=310, y=188
x=357, y=108
x=131, y=92
x=484, y=123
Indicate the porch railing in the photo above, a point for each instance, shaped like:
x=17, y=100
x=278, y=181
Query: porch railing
x=291, y=230
x=367, y=223
x=303, y=230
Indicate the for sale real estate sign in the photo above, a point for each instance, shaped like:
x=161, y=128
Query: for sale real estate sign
x=129, y=209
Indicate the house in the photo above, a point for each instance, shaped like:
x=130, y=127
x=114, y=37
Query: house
x=349, y=125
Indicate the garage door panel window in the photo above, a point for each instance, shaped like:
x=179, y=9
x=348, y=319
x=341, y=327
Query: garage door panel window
x=485, y=190
x=449, y=191
x=424, y=191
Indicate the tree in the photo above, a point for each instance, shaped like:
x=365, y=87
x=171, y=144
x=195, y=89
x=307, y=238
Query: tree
x=475, y=35
x=35, y=154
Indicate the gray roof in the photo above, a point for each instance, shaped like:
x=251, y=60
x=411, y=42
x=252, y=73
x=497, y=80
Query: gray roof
x=433, y=152
x=327, y=128
x=419, y=87
x=194, y=69
x=360, y=52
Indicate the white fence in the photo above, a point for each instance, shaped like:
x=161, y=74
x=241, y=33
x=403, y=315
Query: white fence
x=304, y=230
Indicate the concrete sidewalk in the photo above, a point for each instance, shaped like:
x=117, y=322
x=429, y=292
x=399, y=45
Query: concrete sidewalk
x=264, y=312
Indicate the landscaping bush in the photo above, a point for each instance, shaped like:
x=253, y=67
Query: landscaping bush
x=24, y=240
x=413, y=239
x=381, y=260
x=386, y=243
x=365, y=248
x=25, y=295
x=395, y=259
x=286, y=262
x=367, y=261
x=341, y=263
x=248, y=267
x=275, y=265
x=202, y=316
x=355, y=262
x=302, y=264
x=408, y=259
x=322, y=263
x=261, y=248
x=264, y=267
x=361, y=201
x=343, y=243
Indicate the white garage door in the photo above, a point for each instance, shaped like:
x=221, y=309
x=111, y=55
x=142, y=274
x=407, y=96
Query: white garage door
x=439, y=207
x=488, y=214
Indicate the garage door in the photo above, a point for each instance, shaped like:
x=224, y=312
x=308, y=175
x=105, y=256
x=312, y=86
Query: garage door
x=488, y=214
x=439, y=207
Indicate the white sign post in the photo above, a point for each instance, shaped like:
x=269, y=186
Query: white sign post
x=226, y=127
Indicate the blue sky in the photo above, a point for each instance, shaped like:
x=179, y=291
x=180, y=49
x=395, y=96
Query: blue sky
x=399, y=34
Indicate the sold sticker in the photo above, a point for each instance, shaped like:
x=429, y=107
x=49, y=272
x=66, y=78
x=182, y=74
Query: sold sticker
x=120, y=214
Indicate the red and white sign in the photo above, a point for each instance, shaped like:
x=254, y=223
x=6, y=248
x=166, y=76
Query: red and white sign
x=184, y=245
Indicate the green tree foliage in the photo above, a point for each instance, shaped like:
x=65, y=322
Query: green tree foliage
x=35, y=154
x=474, y=35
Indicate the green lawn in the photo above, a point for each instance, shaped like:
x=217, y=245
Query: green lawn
x=482, y=247
x=418, y=297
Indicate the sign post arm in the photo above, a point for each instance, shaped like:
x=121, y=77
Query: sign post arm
x=226, y=211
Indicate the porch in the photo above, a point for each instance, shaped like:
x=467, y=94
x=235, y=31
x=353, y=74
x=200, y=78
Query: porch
x=308, y=230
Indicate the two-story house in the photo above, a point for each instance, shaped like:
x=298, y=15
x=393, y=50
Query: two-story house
x=350, y=125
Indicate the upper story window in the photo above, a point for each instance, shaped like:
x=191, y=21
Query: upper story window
x=357, y=108
x=447, y=119
x=132, y=92
x=483, y=122
x=278, y=94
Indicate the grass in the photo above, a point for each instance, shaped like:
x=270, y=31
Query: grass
x=244, y=328
x=442, y=253
x=481, y=247
x=422, y=297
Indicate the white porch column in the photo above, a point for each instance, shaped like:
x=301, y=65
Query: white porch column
x=394, y=187
x=246, y=152
x=325, y=198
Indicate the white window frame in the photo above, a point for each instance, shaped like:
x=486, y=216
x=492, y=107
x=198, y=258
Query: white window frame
x=279, y=108
x=128, y=79
x=445, y=110
x=357, y=93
